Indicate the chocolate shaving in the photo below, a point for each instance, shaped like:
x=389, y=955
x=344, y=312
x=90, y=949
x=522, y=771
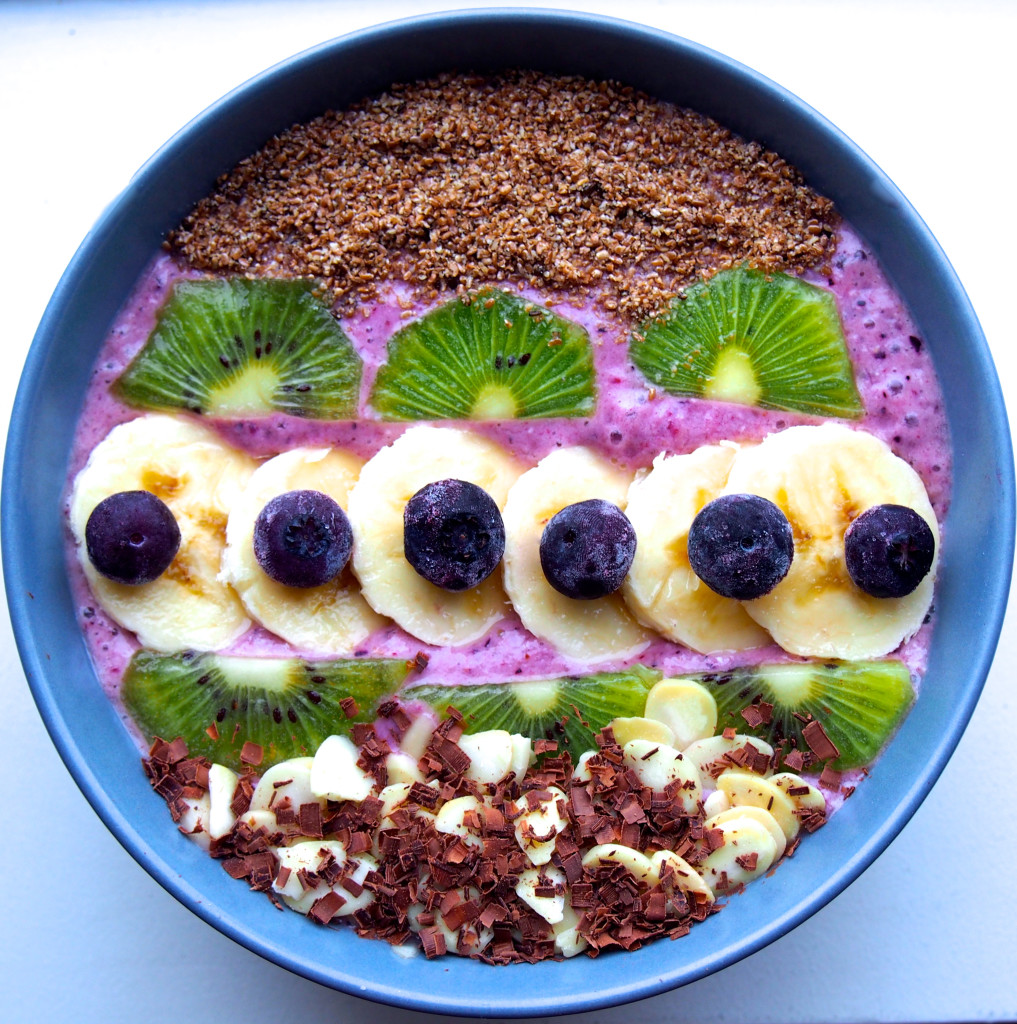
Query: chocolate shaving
x=819, y=743
x=323, y=910
x=251, y=753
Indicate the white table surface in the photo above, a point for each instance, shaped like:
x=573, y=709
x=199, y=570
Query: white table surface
x=89, y=90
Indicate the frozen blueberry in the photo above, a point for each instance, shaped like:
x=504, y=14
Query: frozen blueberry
x=741, y=546
x=587, y=548
x=302, y=539
x=453, y=534
x=131, y=537
x=889, y=550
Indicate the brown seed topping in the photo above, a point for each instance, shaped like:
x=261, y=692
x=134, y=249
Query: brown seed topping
x=559, y=183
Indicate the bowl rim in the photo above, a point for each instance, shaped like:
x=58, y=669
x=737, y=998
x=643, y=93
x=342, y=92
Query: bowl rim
x=18, y=570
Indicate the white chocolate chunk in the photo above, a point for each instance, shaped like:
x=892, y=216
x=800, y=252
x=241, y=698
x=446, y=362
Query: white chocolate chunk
x=402, y=768
x=658, y=765
x=567, y=939
x=417, y=736
x=365, y=864
x=716, y=802
x=612, y=854
x=451, y=819
x=550, y=908
x=537, y=830
x=707, y=754
x=674, y=872
x=746, y=789
x=748, y=851
x=481, y=936
x=286, y=781
x=222, y=783
x=394, y=795
x=626, y=729
x=194, y=820
x=813, y=800
x=581, y=772
x=687, y=708
x=764, y=817
x=259, y=819
x=335, y=774
x=522, y=755
x=305, y=856
x=490, y=753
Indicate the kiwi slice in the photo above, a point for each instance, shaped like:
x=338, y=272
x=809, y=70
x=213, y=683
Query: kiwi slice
x=489, y=355
x=287, y=706
x=240, y=347
x=858, y=703
x=571, y=710
x=745, y=336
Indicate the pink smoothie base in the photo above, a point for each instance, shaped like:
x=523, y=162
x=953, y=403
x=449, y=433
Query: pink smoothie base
x=895, y=377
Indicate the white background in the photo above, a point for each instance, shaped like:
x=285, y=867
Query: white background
x=89, y=90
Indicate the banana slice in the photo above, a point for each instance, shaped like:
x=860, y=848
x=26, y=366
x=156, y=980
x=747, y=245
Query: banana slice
x=387, y=482
x=661, y=588
x=330, y=619
x=822, y=478
x=200, y=478
x=587, y=631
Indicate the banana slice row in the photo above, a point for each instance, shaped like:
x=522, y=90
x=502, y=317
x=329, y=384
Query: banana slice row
x=822, y=477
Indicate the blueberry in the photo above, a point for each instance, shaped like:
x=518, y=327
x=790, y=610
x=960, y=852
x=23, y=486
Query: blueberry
x=131, y=537
x=889, y=550
x=740, y=546
x=302, y=539
x=453, y=534
x=587, y=548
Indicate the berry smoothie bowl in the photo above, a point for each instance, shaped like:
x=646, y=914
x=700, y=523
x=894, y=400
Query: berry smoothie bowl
x=586, y=405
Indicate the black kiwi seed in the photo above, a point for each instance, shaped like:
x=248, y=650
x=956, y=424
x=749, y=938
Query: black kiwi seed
x=252, y=699
x=288, y=354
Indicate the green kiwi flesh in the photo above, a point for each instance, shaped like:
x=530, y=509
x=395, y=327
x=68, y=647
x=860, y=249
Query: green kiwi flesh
x=769, y=340
x=858, y=703
x=489, y=355
x=570, y=710
x=286, y=706
x=244, y=347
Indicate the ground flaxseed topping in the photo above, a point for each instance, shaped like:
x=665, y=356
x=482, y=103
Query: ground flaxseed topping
x=559, y=183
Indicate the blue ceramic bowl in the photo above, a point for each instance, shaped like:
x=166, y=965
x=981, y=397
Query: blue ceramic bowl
x=93, y=742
